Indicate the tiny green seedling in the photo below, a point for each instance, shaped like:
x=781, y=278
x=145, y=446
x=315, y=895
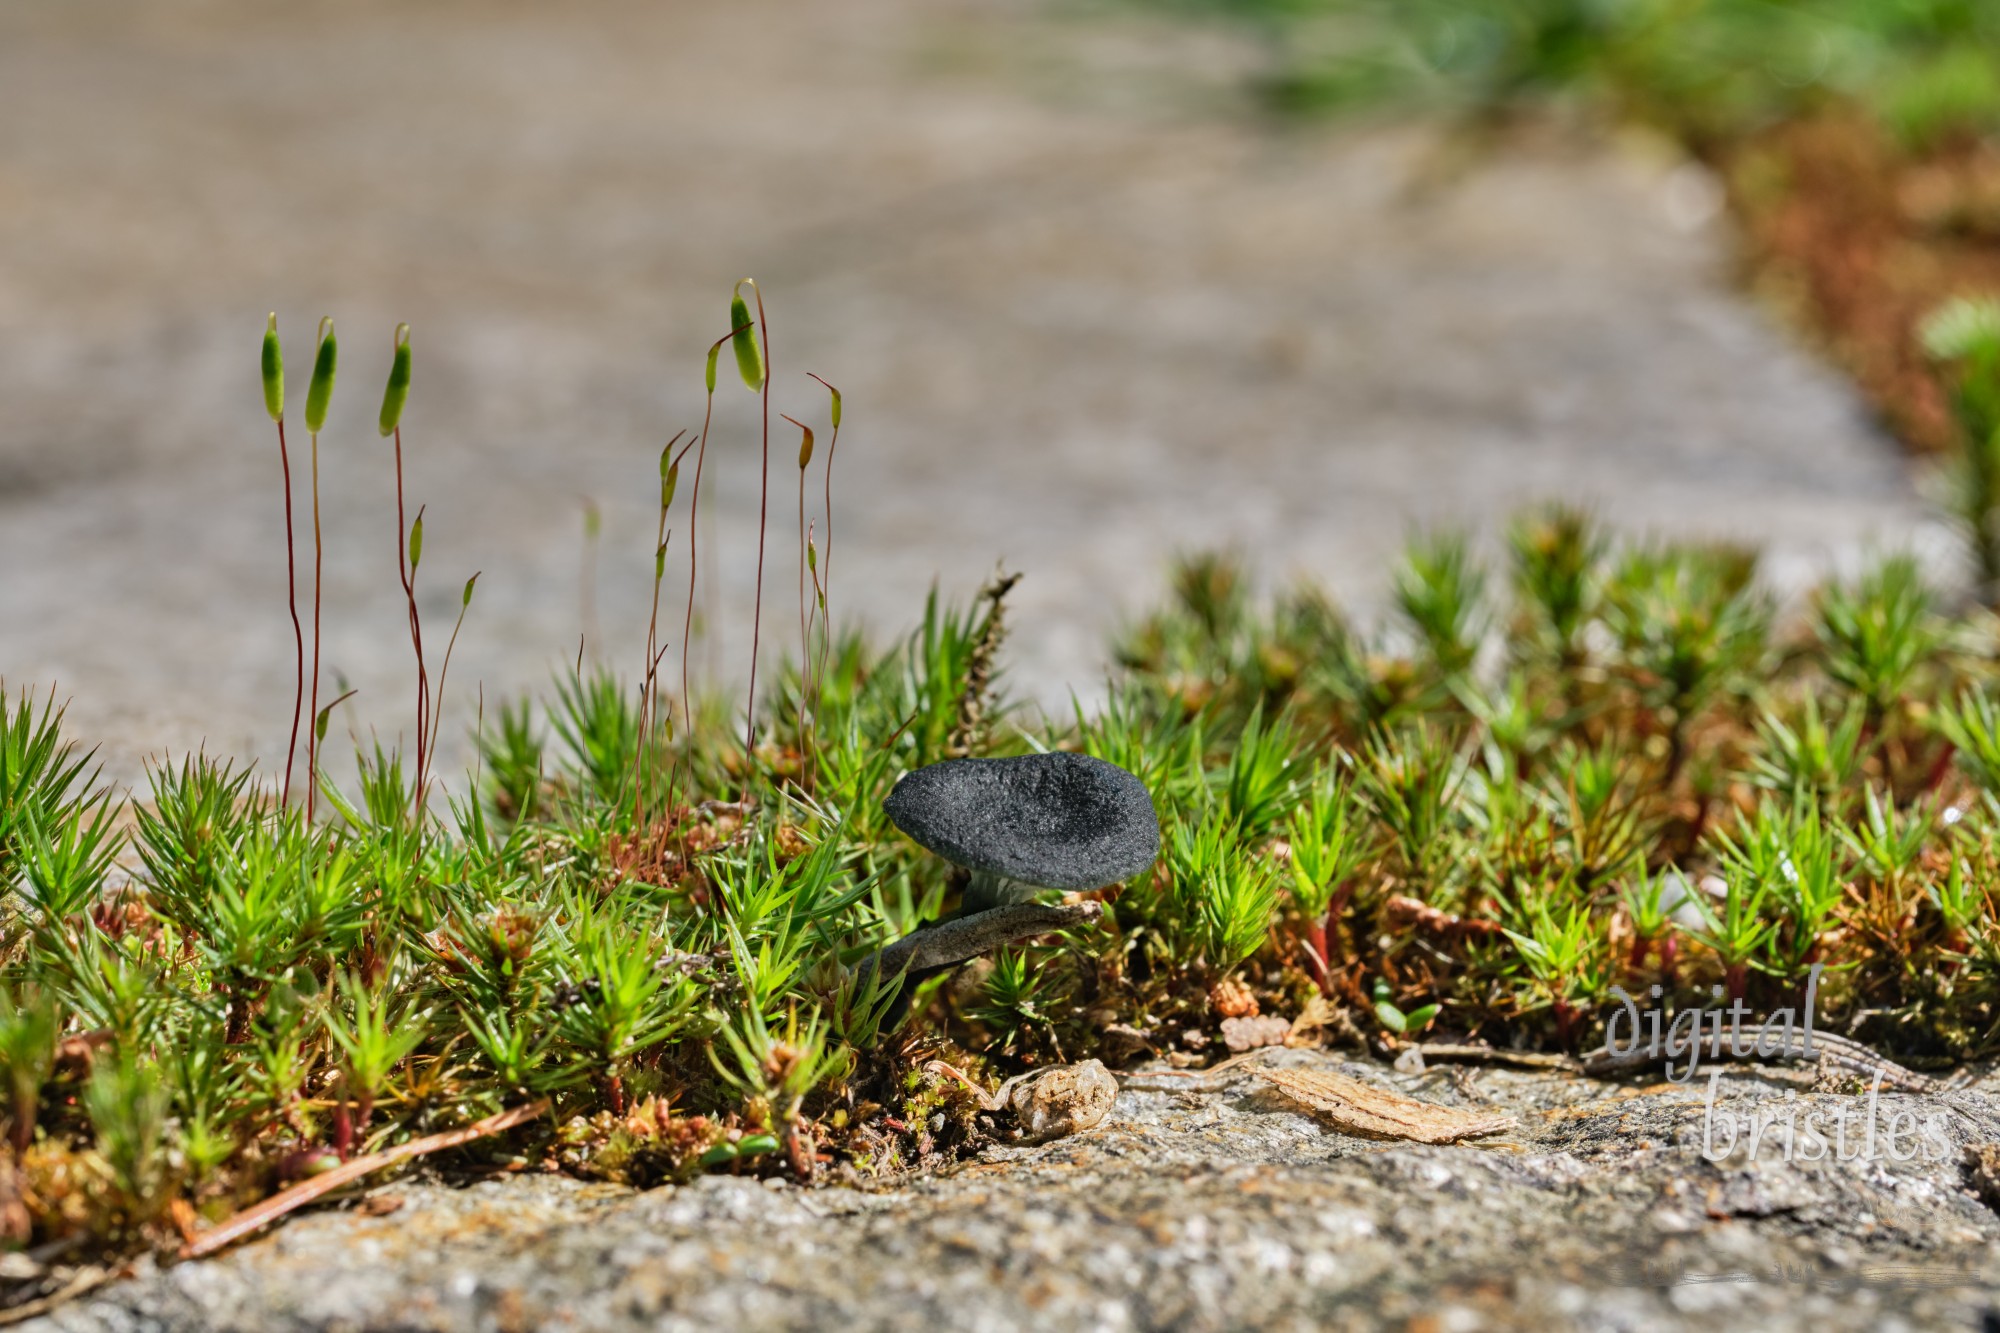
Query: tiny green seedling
x=1394, y=1019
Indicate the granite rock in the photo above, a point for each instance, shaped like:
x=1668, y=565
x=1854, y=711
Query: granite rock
x=1199, y=1203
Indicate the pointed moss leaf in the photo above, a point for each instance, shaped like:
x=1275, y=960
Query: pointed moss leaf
x=320, y=392
x=749, y=354
x=274, y=370
x=416, y=542
x=466, y=599
x=399, y=383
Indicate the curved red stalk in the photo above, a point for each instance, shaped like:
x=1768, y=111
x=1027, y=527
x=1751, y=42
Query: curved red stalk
x=292, y=597
x=319, y=554
x=437, y=708
x=825, y=589
x=763, y=515
x=416, y=624
x=694, y=559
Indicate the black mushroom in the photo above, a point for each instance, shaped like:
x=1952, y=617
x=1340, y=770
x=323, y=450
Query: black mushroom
x=1040, y=821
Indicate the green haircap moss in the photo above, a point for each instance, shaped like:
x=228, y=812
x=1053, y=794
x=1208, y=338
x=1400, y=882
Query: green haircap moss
x=416, y=541
x=321, y=390
x=399, y=383
x=274, y=370
x=668, y=484
x=805, y=448
x=749, y=354
x=466, y=599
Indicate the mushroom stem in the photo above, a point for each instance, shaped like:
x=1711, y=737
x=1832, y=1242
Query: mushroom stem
x=988, y=890
x=941, y=944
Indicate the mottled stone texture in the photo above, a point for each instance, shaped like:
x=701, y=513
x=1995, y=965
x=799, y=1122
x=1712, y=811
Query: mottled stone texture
x=1195, y=1210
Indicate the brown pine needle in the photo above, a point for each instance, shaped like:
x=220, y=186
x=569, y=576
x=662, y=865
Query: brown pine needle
x=298, y=1196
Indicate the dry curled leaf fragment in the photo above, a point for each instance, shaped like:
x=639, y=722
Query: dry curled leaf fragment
x=1355, y=1107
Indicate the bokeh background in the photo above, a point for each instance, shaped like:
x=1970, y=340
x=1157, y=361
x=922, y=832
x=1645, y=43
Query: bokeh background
x=1093, y=291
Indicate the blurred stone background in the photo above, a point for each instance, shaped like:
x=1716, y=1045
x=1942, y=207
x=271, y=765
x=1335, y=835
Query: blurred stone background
x=1085, y=313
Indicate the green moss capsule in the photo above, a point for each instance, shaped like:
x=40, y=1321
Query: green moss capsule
x=668, y=484
x=835, y=395
x=660, y=563
x=274, y=370
x=466, y=600
x=320, y=392
x=805, y=447
x=416, y=542
x=714, y=353
x=749, y=353
x=399, y=383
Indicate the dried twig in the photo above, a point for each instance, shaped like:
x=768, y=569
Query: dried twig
x=1493, y=1055
x=1399, y=911
x=88, y=1279
x=254, y=1218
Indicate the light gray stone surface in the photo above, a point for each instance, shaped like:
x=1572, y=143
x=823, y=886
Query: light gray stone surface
x=1082, y=314
x=1186, y=1210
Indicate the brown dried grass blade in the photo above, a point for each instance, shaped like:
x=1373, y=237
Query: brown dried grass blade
x=303, y=1193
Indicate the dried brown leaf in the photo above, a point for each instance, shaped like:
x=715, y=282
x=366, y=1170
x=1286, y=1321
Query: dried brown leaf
x=1355, y=1107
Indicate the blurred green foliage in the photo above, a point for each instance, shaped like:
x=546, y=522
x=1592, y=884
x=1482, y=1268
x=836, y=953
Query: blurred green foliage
x=1925, y=68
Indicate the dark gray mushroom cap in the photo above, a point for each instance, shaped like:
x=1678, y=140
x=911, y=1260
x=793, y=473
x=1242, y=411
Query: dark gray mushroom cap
x=1057, y=821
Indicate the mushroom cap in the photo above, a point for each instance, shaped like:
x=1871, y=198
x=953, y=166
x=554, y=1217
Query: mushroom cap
x=1056, y=821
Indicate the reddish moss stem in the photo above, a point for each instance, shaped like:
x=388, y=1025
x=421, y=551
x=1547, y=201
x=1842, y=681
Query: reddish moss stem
x=416, y=624
x=825, y=589
x=763, y=516
x=319, y=559
x=292, y=599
